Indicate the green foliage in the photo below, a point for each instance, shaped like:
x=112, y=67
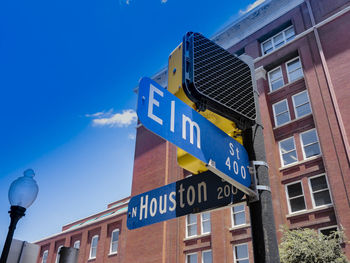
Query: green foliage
x=307, y=246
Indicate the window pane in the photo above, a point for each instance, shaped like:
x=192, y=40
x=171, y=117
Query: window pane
x=267, y=47
x=207, y=257
x=206, y=216
x=192, y=230
x=114, y=247
x=276, y=74
x=192, y=258
x=294, y=190
x=322, y=198
x=191, y=219
x=280, y=107
x=77, y=244
x=293, y=65
x=287, y=145
x=238, y=208
x=206, y=227
x=278, y=40
x=289, y=158
x=282, y=118
x=243, y=261
x=289, y=33
x=277, y=84
x=94, y=242
x=115, y=236
x=300, y=98
x=303, y=110
x=297, y=204
x=295, y=75
x=241, y=251
x=239, y=219
x=318, y=183
x=93, y=253
x=312, y=150
x=309, y=137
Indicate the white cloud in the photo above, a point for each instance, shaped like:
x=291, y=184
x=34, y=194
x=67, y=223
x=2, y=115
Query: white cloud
x=124, y=119
x=251, y=6
x=126, y=2
x=164, y=1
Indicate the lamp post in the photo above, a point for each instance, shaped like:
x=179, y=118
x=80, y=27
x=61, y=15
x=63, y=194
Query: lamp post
x=22, y=194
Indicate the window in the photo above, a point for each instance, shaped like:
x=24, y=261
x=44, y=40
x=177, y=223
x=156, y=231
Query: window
x=205, y=218
x=114, y=242
x=275, y=79
x=240, y=253
x=294, y=69
x=207, y=257
x=93, y=248
x=295, y=196
x=58, y=254
x=77, y=244
x=277, y=40
x=45, y=254
x=287, y=151
x=238, y=215
x=310, y=144
x=327, y=230
x=301, y=104
x=281, y=112
x=319, y=191
x=191, y=258
x=191, y=225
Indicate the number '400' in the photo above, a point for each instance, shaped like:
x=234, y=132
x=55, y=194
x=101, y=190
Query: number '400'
x=232, y=164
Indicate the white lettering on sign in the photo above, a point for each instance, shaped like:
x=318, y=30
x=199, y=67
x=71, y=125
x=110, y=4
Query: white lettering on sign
x=192, y=124
x=153, y=101
x=232, y=163
x=160, y=204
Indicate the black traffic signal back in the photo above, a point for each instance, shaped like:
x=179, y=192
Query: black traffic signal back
x=217, y=80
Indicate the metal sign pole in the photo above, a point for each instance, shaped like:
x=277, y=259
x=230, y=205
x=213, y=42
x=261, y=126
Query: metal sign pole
x=265, y=243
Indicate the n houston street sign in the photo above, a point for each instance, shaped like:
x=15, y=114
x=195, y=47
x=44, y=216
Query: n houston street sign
x=190, y=195
x=169, y=117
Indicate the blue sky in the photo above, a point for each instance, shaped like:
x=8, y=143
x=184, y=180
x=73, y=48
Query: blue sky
x=67, y=74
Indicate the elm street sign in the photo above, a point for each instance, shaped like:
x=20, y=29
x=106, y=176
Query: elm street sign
x=172, y=119
x=190, y=195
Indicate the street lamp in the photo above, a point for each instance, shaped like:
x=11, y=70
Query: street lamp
x=22, y=194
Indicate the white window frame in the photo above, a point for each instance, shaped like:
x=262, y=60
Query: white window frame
x=92, y=239
x=295, y=107
x=208, y=250
x=111, y=243
x=75, y=244
x=302, y=144
x=312, y=192
x=203, y=221
x=287, y=195
x=47, y=254
x=235, y=260
x=275, y=115
x=269, y=77
x=233, y=213
x=327, y=227
x=58, y=253
x=272, y=41
x=189, y=255
x=187, y=225
x=301, y=67
x=281, y=156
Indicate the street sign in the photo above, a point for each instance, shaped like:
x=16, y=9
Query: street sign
x=190, y=195
x=169, y=117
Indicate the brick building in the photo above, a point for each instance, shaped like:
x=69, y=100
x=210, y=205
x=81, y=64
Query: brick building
x=301, y=51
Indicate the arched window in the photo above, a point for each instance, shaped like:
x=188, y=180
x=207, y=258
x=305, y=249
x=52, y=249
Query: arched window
x=58, y=254
x=77, y=244
x=45, y=254
x=114, y=242
x=93, y=248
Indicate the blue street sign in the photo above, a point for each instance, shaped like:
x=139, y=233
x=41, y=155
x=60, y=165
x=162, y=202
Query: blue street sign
x=190, y=195
x=172, y=119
